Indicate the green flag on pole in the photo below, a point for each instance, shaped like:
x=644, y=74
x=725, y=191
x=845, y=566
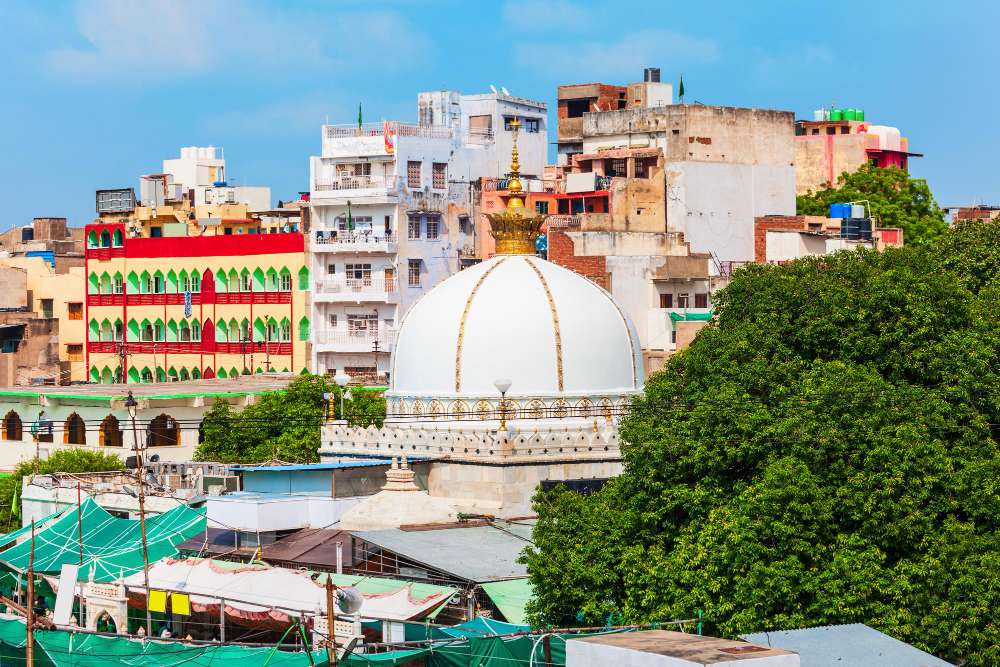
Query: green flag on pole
x=350, y=223
x=359, y=114
x=680, y=89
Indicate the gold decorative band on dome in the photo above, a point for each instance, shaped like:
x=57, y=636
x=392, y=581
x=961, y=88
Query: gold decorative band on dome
x=461, y=326
x=555, y=322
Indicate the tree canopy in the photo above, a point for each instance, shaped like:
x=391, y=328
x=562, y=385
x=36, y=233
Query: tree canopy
x=824, y=452
x=285, y=424
x=61, y=460
x=896, y=200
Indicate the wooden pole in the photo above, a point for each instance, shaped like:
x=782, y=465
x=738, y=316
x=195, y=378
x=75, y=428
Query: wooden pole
x=331, y=646
x=222, y=621
x=142, y=513
x=29, y=649
x=548, y=650
x=79, y=526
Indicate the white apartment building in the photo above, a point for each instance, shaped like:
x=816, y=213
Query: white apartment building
x=392, y=214
x=200, y=173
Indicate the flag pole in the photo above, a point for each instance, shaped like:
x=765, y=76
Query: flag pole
x=132, y=406
x=29, y=648
x=79, y=525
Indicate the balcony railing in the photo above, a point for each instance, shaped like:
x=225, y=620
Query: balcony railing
x=363, y=337
x=355, y=286
x=354, y=240
x=563, y=221
x=105, y=253
x=466, y=134
x=362, y=182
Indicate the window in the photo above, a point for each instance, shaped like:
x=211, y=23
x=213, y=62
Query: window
x=286, y=332
x=414, y=272
x=75, y=311
x=146, y=333
x=390, y=280
x=507, y=120
x=433, y=223
x=272, y=331
x=304, y=329
x=195, y=282
x=439, y=173
x=147, y=285
x=463, y=224
x=362, y=325
x=158, y=284
x=531, y=125
x=542, y=207
x=331, y=269
x=414, y=227
x=666, y=301
x=701, y=301
x=245, y=283
x=185, y=284
x=195, y=333
x=119, y=331
x=164, y=431
x=333, y=320
x=74, y=430
x=119, y=285
x=185, y=333
x=74, y=352
x=682, y=300
x=46, y=307
x=12, y=427
x=359, y=272
x=413, y=174
x=158, y=332
x=286, y=282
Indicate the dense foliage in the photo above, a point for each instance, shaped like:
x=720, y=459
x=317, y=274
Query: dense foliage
x=283, y=425
x=896, y=201
x=824, y=452
x=61, y=460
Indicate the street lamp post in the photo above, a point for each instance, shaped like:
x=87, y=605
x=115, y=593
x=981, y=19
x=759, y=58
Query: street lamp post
x=133, y=406
x=503, y=386
x=342, y=379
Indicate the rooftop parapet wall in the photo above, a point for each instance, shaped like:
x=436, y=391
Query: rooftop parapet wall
x=703, y=133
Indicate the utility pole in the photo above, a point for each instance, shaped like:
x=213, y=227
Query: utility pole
x=79, y=526
x=122, y=351
x=376, y=354
x=30, y=620
x=132, y=406
x=331, y=646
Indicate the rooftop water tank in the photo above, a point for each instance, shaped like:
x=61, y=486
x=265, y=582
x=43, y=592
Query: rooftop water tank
x=651, y=74
x=837, y=211
x=861, y=114
x=850, y=114
x=819, y=115
x=836, y=114
x=857, y=211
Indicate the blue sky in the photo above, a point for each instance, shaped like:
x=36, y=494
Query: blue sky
x=100, y=91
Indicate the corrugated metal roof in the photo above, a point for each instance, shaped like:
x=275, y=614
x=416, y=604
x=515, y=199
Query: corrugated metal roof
x=311, y=546
x=841, y=645
x=354, y=463
x=478, y=553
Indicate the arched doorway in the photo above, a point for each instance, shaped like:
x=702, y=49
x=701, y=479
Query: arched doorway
x=111, y=432
x=164, y=431
x=12, y=426
x=74, y=430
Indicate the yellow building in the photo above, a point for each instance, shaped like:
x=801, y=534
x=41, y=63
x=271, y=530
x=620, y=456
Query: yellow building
x=58, y=296
x=176, y=294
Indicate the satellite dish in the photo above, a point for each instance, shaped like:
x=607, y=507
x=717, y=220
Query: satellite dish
x=493, y=88
x=154, y=458
x=504, y=90
x=349, y=600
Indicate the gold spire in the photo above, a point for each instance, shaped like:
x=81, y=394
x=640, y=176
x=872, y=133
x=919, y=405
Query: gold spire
x=514, y=228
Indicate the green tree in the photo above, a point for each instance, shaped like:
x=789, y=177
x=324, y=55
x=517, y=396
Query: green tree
x=972, y=252
x=824, y=452
x=896, y=200
x=286, y=424
x=72, y=460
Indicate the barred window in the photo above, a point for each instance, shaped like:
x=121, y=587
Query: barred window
x=666, y=301
x=701, y=301
x=433, y=222
x=414, y=276
x=414, y=227
x=440, y=176
x=413, y=174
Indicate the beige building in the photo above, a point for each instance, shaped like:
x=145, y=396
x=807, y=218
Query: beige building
x=50, y=305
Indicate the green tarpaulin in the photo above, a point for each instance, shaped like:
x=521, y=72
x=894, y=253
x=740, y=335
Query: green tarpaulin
x=691, y=317
x=510, y=597
x=112, y=547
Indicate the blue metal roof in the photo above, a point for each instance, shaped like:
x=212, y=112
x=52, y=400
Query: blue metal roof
x=843, y=645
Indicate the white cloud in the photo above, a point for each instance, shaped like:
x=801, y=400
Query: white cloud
x=627, y=57
x=160, y=39
x=545, y=15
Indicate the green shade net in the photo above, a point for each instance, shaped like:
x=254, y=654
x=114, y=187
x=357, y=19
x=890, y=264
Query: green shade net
x=510, y=597
x=64, y=649
x=112, y=547
x=10, y=538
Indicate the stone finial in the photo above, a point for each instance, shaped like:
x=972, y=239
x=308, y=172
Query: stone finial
x=399, y=478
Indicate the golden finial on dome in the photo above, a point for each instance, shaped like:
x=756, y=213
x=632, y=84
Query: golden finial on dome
x=514, y=228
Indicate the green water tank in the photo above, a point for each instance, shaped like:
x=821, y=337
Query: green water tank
x=836, y=114
x=861, y=114
x=850, y=114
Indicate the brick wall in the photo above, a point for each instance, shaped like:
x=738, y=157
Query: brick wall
x=561, y=252
x=766, y=222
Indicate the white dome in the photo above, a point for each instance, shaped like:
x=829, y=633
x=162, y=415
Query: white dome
x=549, y=330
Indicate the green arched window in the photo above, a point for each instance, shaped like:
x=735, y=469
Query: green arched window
x=133, y=375
x=220, y=281
x=95, y=375
x=285, y=280
x=146, y=374
x=105, y=283
x=132, y=285
x=286, y=330
x=258, y=280
x=92, y=239
x=145, y=283
x=159, y=284
x=258, y=330
x=171, y=282
x=303, y=279
x=195, y=374
x=272, y=280
x=118, y=239
x=161, y=376
x=172, y=331
x=184, y=332
x=304, y=329
x=234, y=281
x=105, y=239
x=133, y=331
x=107, y=331
x=184, y=374
x=221, y=332
x=93, y=284
x=172, y=374
x=94, y=331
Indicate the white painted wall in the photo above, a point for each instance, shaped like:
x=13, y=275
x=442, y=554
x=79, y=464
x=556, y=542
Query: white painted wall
x=264, y=513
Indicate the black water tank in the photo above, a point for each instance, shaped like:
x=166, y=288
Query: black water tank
x=865, y=229
x=651, y=74
x=850, y=229
x=27, y=234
